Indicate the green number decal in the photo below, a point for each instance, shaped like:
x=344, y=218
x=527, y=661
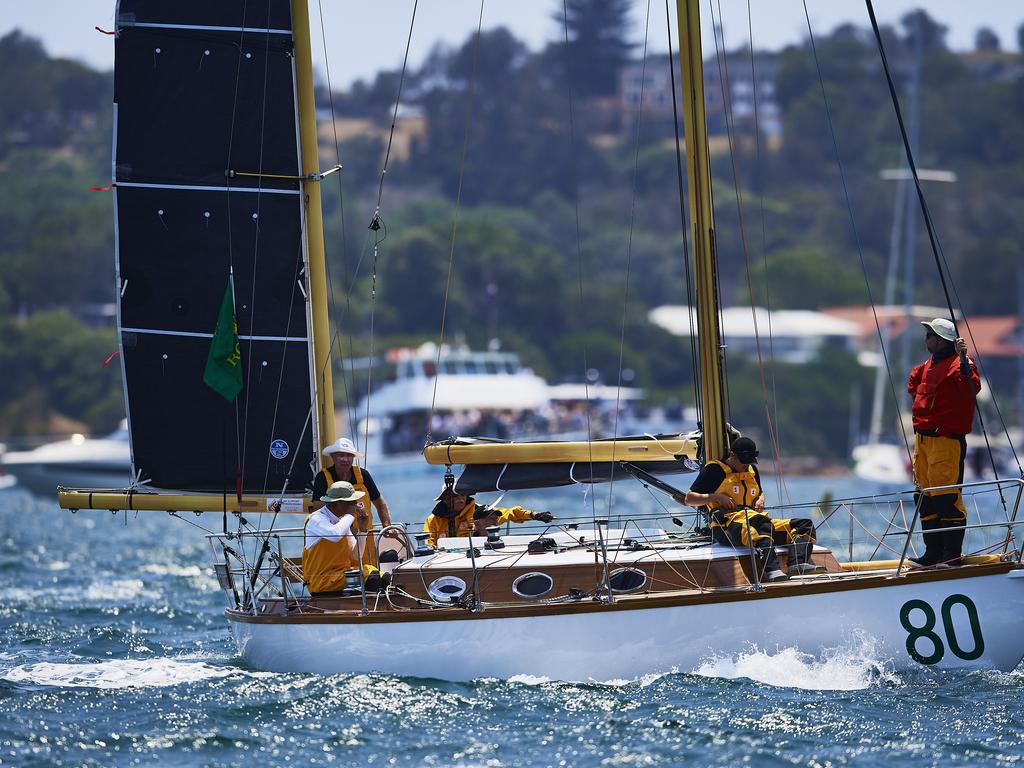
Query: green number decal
x=925, y=631
x=972, y=617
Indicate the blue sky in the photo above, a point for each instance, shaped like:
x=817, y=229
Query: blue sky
x=364, y=37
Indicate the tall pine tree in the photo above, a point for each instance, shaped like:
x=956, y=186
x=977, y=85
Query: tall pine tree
x=598, y=45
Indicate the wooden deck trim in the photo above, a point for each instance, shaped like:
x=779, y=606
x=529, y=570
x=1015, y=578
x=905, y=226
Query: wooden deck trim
x=813, y=586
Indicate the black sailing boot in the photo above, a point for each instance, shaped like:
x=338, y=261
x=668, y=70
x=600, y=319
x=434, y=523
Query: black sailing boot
x=952, y=545
x=769, y=563
x=933, y=545
x=800, y=562
x=932, y=541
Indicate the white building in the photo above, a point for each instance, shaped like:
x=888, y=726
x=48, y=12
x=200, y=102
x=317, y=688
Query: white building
x=789, y=335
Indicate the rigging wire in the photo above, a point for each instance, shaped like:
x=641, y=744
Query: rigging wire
x=230, y=232
x=574, y=179
x=629, y=238
x=780, y=480
x=853, y=221
x=684, y=224
x=455, y=216
x=349, y=399
x=933, y=237
x=255, y=265
x=730, y=125
x=376, y=222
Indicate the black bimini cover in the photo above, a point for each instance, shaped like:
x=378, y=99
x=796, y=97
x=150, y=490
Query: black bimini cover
x=203, y=88
x=480, y=478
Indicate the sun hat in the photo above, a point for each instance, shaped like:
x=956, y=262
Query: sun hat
x=745, y=450
x=942, y=328
x=342, y=445
x=444, y=490
x=342, y=491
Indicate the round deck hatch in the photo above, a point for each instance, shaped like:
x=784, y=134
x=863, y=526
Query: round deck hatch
x=447, y=589
x=532, y=585
x=626, y=580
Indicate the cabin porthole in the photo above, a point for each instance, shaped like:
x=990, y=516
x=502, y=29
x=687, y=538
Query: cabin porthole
x=532, y=585
x=447, y=589
x=625, y=580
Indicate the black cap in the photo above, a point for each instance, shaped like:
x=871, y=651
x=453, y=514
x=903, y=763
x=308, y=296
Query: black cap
x=745, y=450
x=482, y=511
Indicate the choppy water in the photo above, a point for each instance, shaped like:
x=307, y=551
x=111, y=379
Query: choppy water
x=115, y=652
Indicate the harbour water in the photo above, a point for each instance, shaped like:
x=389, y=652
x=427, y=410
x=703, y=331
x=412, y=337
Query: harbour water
x=114, y=652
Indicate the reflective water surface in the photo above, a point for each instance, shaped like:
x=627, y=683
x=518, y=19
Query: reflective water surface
x=114, y=651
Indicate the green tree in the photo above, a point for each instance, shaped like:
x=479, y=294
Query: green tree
x=598, y=43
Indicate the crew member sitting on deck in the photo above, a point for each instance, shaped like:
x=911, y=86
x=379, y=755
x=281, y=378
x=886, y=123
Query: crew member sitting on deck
x=328, y=547
x=943, y=388
x=342, y=453
x=457, y=515
x=731, y=492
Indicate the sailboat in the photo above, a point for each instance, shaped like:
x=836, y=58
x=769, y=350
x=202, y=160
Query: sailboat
x=219, y=207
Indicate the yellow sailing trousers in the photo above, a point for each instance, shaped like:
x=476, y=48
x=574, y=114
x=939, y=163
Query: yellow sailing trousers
x=940, y=461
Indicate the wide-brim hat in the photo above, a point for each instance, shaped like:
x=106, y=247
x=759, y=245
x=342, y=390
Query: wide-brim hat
x=342, y=445
x=942, y=328
x=342, y=491
x=440, y=496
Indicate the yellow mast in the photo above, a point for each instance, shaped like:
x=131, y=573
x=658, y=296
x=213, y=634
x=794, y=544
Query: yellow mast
x=314, y=225
x=702, y=229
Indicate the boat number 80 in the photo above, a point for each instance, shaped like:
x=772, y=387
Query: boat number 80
x=923, y=637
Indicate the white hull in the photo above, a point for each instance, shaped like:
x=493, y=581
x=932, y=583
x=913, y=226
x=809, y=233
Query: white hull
x=883, y=463
x=612, y=644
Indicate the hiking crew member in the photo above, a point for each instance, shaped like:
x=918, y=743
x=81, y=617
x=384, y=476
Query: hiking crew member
x=943, y=388
x=458, y=515
x=342, y=453
x=731, y=492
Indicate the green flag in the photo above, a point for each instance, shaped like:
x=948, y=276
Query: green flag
x=223, y=372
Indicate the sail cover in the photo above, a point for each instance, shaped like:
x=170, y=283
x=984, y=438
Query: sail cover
x=478, y=478
x=204, y=96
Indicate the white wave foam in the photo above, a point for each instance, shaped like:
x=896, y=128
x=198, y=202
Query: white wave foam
x=171, y=569
x=643, y=681
x=117, y=673
x=529, y=679
x=116, y=590
x=841, y=669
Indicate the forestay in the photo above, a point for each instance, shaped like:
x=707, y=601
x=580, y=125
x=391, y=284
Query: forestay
x=202, y=190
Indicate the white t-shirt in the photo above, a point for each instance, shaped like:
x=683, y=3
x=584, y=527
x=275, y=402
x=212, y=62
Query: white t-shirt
x=323, y=524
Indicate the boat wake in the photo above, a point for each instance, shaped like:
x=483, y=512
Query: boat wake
x=852, y=668
x=119, y=673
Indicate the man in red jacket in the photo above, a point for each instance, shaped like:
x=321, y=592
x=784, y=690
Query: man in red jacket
x=943, y=388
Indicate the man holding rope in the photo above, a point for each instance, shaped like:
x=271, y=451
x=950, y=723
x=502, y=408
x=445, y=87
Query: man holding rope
x=944, y=388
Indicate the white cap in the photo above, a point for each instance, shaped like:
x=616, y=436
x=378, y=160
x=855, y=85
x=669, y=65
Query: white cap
x=342, y=445
x=942, y=327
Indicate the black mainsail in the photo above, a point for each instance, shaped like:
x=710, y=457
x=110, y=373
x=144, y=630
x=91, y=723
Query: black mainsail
x=207, y=187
